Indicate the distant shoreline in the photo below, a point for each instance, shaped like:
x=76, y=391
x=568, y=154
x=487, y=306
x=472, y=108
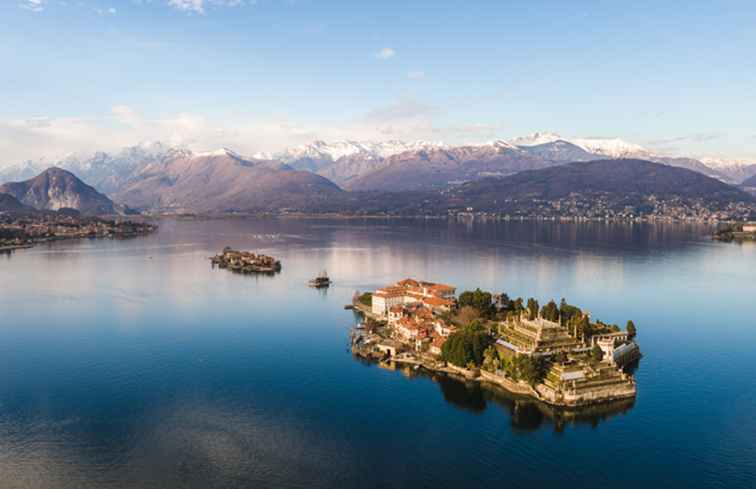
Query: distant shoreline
x=482, y=217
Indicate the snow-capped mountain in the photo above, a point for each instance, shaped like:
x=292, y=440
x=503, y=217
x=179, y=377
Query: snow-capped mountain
x=342, y=149
x=608, y=147
x=378, y=165
x=107, y=172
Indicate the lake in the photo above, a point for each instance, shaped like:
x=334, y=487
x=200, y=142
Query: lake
x=136, y=364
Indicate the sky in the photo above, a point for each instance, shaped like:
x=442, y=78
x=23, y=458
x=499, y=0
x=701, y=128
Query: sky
x=87, y=75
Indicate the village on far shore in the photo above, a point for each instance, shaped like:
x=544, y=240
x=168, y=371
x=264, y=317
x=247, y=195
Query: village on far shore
x=555, y=353
x=24, y=231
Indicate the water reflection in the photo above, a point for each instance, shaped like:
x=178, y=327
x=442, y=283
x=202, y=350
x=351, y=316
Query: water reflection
x=525, y=414
x=135, y=364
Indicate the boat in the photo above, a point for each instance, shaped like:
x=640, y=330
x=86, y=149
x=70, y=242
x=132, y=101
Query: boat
x=321, y=281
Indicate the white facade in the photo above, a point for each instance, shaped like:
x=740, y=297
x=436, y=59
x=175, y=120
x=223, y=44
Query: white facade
x=381, y=303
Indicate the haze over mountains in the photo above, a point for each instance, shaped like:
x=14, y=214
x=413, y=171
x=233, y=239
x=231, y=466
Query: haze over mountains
x=162, y=178
x=350, y=163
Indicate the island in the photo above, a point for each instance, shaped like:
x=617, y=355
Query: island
x=246, y=262
x=556, y=353
x=745, y=231
x=25, y=231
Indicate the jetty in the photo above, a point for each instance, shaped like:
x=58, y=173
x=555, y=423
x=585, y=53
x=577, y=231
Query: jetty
x=246, y=262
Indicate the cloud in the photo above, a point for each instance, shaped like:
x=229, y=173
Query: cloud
x=106, y=11
x=693, y=138
x=416, y=75
x=33, y=5
x=126, y=115
x=400, y=110
x=385, y=53
x=125, y=125
x=199, y=6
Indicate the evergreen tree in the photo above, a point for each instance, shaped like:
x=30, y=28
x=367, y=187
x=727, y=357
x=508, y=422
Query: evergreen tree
x=631, y=331
x=597, y=353
x=532, y=309
x=550, y=311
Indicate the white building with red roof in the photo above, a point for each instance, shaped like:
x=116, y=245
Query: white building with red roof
x=437, y=297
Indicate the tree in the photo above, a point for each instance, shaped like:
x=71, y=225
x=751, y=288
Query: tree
x=584, y=328
x=480, y=300
x=597, y=353
x=466, y=315
x=527, y=368
x=532, y=309
x=631, y=331
x=550, y=311
x=491, y=361
x=467, y=345
x=568, y=312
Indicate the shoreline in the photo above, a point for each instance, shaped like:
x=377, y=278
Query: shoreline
x=488, y=380
x=623, y=389
x=437, y=217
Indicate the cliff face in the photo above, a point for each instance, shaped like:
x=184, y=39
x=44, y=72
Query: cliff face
x=56, y=189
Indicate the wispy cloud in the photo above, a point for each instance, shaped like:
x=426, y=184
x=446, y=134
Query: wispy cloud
x=33, y=5
x=126, y=115
x=385, y=53
x=200, y=6
x=692, y=138
x=402, y=109
x=106, y=11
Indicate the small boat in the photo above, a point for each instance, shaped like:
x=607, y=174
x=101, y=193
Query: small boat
x=321, y=281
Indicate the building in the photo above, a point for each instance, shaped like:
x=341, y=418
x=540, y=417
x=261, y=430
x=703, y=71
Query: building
x=749, y=227
x=617, y=348
x=436, y=297
x=538, y=336
x=436, y=345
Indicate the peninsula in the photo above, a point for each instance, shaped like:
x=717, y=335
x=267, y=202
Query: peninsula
x=245, y=262
x=555, y=353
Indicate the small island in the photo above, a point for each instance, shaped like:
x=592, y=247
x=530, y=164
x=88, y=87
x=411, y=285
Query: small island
x=736, y=232
x=246, y=262
x=555, y=353
x=17, y=232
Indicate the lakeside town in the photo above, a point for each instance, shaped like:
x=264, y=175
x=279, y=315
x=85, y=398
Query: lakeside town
x=18, y=232
x=555, y=353
x=579, y=207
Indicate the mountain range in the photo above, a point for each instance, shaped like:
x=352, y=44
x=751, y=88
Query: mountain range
x=596, y=188
x=162, y=178
x=389, y=165
x=627, y=184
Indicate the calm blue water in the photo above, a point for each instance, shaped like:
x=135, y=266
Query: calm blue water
x=135, y=364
